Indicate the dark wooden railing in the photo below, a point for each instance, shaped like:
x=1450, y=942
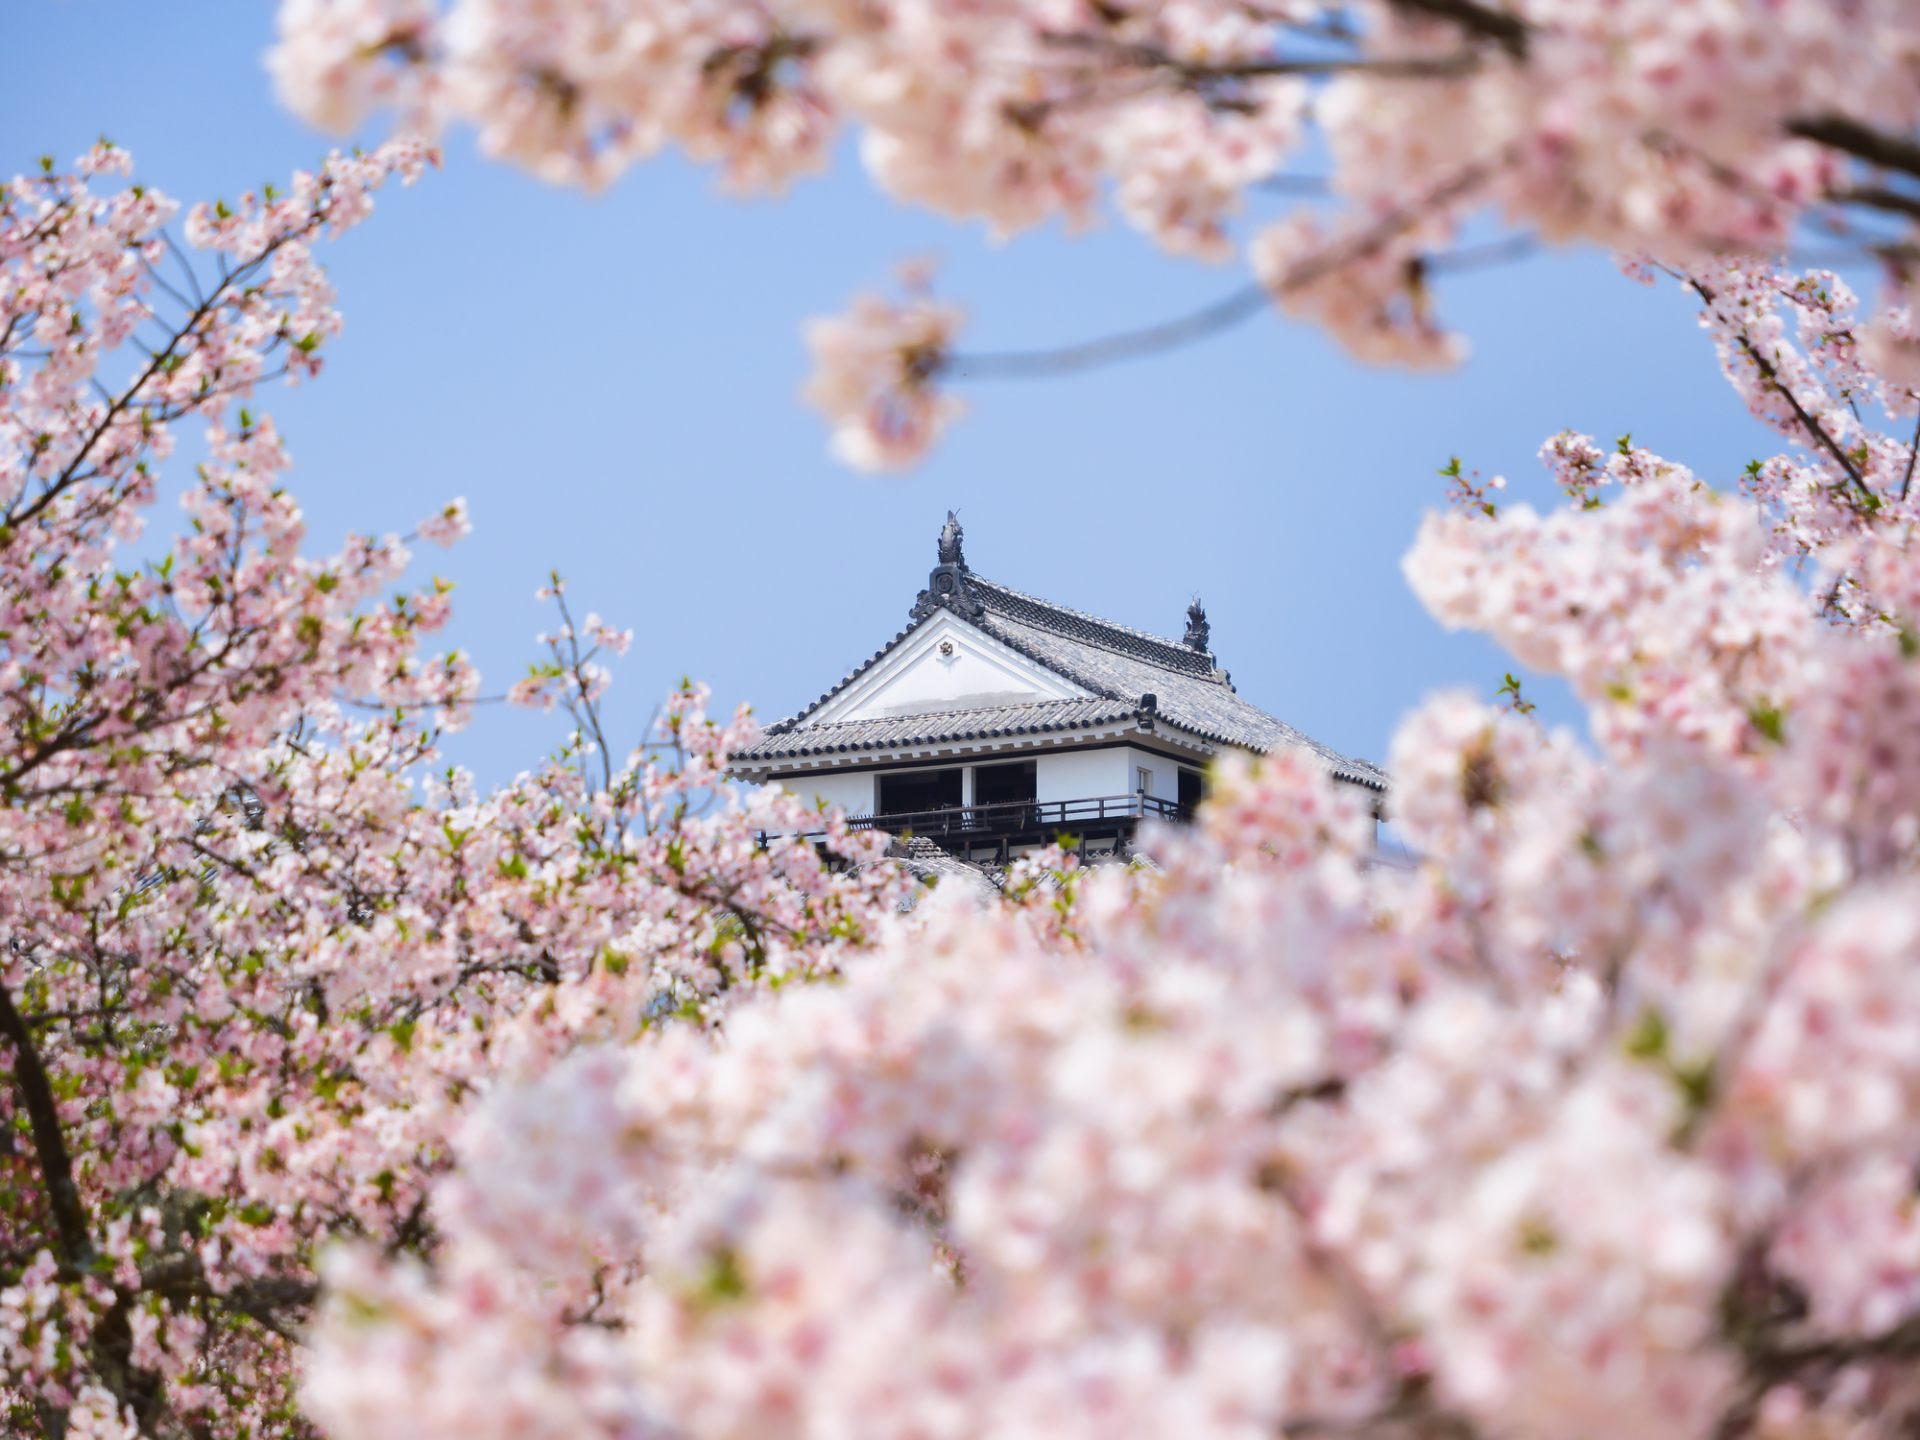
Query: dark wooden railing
x=1016, y=815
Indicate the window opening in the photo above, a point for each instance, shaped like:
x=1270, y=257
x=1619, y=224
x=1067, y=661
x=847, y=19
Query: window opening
x=912, y=791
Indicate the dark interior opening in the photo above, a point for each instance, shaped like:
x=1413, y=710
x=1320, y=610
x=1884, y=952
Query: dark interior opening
x=1191, y=789
x=919, y=790
x=1004, y=784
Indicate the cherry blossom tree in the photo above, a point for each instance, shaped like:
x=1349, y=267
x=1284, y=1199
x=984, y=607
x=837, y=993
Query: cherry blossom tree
x=603, y=1104
x=1597, y=1119
x=1683, y=132
x=260, y=947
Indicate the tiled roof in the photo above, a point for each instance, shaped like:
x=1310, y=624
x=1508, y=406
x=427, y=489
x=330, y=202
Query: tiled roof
x=920, y=856
x=840, y=736
x=1009, y=604
x=1112, y=660
x=1116, y=662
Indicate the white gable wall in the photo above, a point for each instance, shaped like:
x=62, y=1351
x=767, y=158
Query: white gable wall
x=977, y=672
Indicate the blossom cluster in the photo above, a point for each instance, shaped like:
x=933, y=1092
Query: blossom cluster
x=1597, y=1117
x=1681, y=132
x=876, y=372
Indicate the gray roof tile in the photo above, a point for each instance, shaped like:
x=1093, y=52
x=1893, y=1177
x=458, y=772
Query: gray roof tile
x=841, y=736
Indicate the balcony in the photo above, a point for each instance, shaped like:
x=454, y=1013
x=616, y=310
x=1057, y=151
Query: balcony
x=992, y=832
x=1069, y=817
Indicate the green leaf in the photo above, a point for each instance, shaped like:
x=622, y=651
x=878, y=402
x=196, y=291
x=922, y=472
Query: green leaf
x=1648, y=1038
x=722, y=1282
x=1698, y=1084
x=1537, y=1237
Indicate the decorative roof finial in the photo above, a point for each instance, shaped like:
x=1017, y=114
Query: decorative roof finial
x=950, y=537
x=948, y=584
x=1198, y=630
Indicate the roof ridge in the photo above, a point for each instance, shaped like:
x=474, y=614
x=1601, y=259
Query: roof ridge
x=1107, y=634
x=1085, y=615
x=1119, y=705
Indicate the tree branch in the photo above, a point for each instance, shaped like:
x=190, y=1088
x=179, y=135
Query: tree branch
x=1237, y=305
x=1211, y=318
x=1879, y=197
x=1812, y=426
x=1772, y=1365
x=1152, y=57
x=49, y=1141
x=1863, y=142
x=1507, y=31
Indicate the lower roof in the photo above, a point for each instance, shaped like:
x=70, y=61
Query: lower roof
x=931, y=727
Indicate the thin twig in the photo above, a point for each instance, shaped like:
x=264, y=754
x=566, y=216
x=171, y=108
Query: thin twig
x=1474, y=257
x=193, y=276
x=1218, y=315
x=1812, y=426
x=1913, y=453
x=1295, y=185
x=1210, y=319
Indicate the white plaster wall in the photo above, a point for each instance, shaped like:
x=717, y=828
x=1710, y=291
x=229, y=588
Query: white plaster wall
x=1166, y=774
x=1083, y=774
x=852, y=793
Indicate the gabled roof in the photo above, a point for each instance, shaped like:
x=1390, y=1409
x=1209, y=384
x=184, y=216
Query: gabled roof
x=1119, y=665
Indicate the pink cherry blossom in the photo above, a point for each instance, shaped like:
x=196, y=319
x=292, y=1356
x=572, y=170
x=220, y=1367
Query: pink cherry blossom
x=451, y=525
x=1680, y=134
x=877, y=374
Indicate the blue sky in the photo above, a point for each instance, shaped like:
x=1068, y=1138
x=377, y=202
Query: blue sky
x=613, y=382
